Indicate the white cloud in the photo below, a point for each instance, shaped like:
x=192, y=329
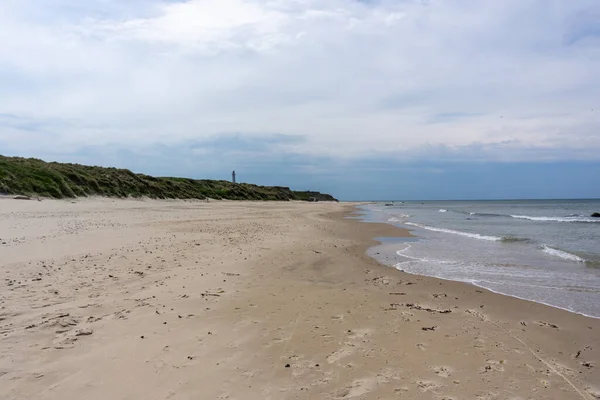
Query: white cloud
x=356, y=78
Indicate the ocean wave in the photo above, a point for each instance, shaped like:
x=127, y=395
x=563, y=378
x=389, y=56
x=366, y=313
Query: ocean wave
x=562, y=254
x=454, y=211
x=592, y=262
x=466, y=234
x=463, y=212
x=398, y=218
x=567, y=218
x=509, y=239
x=556, y=219
x=474, y=213
x=487, y=214
x=505, y=239
x=401, y=253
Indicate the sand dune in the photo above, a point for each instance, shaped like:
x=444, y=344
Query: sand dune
x=113, y=299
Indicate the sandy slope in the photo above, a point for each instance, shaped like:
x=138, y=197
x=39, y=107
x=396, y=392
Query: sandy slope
x=107, y=299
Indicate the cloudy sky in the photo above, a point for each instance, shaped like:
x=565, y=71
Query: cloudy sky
x=362, y=98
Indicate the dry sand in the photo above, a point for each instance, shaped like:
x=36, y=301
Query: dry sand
x=103, y=299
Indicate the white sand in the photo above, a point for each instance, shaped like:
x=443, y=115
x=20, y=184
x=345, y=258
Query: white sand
x=106, y=299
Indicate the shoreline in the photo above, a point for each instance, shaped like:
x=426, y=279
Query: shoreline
x=245, y=300
x=411, y=235
x=395, y=266
x=430, y=257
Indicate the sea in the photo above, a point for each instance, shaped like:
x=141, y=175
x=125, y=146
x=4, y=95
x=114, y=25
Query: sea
x=547, y=251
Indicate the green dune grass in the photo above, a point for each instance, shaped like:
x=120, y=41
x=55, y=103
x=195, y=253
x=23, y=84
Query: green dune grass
x=33, y=177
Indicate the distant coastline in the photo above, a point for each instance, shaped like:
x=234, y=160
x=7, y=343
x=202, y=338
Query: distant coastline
x=37, y=178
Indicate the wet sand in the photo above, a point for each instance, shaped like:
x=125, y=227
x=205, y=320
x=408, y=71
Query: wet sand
x=228, y=300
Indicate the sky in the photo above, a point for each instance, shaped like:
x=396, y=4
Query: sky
x=364, y=99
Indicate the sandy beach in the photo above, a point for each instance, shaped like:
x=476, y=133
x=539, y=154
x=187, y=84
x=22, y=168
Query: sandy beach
x=124, y=299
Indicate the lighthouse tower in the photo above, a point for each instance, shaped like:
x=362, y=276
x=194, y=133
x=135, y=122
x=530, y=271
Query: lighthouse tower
x=233, y=177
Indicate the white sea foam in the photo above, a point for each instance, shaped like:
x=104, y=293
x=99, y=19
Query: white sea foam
x=398, y=218
x=466, y=234
x=401, y=253
x=526, y=269
x=562, y=254
x=556, y=219
x=443, y=210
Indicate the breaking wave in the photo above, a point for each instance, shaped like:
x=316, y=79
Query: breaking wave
x=471, y=235
x=562, y=254
x=557, y=219
x=398, y=218
x=509, y=239
x=506, y=239
x=567, y=218
x=487, y=214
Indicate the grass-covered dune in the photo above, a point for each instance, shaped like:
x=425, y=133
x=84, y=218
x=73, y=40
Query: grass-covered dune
x=33, y=177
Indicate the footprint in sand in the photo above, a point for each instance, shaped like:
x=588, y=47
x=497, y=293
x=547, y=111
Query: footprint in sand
x=276, y=340
x=362, y=386
x=421, y=346
x=328, y=376
x=480, y=341
x=487, y=396
x=477, y=314
x=62, y=324
x=65, y=343
x=595, y=393
x=355, y=336
x=543, y=323
x=406, y=316
x=444, y=372
x=340, y=354
x=121, y=314
x=358, y=333
x=493, y=365
x=428, y=386
x=563, y=369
